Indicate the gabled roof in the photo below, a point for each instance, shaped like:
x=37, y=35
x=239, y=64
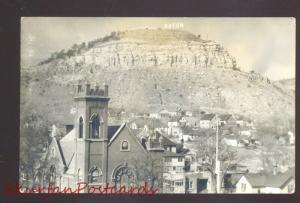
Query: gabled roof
x=117, y=133
x=207, y=117
x=164, y=142
x=56, y=145
x=111, y=130
x=67, y=145
x=256, y=180
x=275, y=181
x=225, y=117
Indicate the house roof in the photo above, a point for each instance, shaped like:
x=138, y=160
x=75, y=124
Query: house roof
x=225, y=117
x=191, y=119
x=207, y=116
x=172, y=154
x=243, y=118
x=256, y=180
x=276, y=181
x=191, y=131
x=165, y=141
x=155, y=123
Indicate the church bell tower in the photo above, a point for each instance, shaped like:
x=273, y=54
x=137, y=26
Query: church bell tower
x=91, y=134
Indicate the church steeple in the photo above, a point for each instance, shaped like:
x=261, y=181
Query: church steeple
x=91, y=131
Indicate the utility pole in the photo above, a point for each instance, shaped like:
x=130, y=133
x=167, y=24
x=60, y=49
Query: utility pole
x=217, y=167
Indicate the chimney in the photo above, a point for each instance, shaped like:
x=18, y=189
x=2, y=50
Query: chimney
x=78, y=88
x=105, y=90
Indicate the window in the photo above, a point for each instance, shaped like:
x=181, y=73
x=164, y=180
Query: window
x=180, y=159
x=290, y=188
x=179, y=169
x=80, y=127
x=167, y=159
x=125, y=145
x=167, y=168
x=94, y=126
x=191, y=184
x=95, y=175
x=243, y=187
x=179, y=183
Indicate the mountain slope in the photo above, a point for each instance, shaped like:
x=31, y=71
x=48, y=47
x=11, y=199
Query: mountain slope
x=150, y=69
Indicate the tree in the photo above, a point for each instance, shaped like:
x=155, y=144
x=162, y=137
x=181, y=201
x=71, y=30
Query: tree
x=150, y=170
x=206, y=152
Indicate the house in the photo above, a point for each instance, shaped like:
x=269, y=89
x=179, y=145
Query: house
x=208, y=121
x=154, y=115
x=188, y=113
x=164, y=113
x=158, y=141
x=140, y=123
x=174, y=128
x=291, y=137
x=173, y=173
x=227, y=120
x=97, y=153
x=190, y=121
x=199, y=182
x=242, y=121
x=245, y=132
x=263, y=183
x=231, y=141
x=190, y=134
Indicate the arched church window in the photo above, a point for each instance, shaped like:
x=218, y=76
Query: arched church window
x=124, y=176
x=80, y=127
x=124, y=145
x=95, y=175
x=95, y=126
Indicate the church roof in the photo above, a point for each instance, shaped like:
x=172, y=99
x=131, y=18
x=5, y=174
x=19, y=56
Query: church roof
x=67, y=145
x=111, y=130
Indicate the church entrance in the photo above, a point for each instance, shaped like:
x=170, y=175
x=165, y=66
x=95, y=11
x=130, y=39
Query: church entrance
x=124, y=176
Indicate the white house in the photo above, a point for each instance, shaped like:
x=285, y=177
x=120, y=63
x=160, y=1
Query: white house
x=173, y=174
x=154, y=115
x=261, y=183
x=291, y=138
x=190, y=121
x=174, y=128
x=208, y=121
x=230, y=141
x=242, y=121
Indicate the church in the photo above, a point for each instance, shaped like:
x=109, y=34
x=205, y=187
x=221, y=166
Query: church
x=97, y=153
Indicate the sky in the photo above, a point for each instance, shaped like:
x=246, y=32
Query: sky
x=265, y=45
